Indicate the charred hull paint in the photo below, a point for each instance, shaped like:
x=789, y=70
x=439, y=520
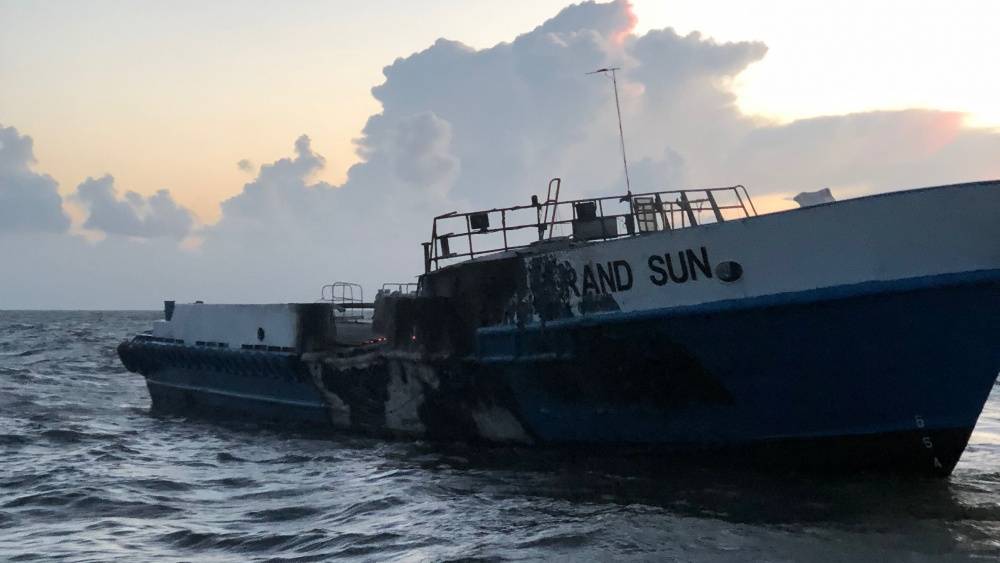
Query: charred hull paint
x=811, y=381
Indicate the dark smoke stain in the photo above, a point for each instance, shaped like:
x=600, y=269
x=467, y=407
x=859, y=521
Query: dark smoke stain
x=551, y=286
x=636, y=367
x=598, y=303
x=364, y=389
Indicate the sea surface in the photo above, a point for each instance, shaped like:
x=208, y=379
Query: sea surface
x=88, y=474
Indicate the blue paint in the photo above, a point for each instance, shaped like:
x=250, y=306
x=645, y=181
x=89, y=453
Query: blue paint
x=229, y=404
x=250, y=386
x=871, y=358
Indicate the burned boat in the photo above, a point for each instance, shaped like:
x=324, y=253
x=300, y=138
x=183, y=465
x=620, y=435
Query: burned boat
x=862, y=333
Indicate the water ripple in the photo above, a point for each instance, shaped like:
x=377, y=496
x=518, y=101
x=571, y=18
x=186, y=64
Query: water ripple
x=89, y=475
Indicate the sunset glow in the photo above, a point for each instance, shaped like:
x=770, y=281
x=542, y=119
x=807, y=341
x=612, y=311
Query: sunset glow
x=173, y=95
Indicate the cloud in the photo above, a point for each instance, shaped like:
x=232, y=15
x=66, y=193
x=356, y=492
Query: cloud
x=522, y=112
x=421, y=151
x=610, y=19
x=876, y=150
x=280, y=194
x=29, y=202
x=246, y=166
x=465, y=128
x=134, y=214
x=408, y=159
x=515, y=111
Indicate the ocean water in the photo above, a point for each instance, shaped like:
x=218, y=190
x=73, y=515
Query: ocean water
x=88, y=474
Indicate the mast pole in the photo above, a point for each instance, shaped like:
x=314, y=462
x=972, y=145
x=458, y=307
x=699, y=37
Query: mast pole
x=621, y=131
x=621, y=136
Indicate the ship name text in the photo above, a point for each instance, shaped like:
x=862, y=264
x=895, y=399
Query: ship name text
x=617, y=275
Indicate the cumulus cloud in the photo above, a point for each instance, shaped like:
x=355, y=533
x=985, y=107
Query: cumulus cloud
x=280, y=194
x=468, y=128
x=522, y=112
x=406, y=159
x=29, y=202
x=422, y=151
x=133, y=214
x=876, y=150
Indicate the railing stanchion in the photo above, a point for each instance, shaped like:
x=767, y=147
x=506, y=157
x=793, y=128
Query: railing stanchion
x=742, y=205
x=503, y=226
x=749, y=199
x=468, y=233
x=715, y=207
x=555, y=204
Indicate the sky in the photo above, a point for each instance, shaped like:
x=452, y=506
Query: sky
x=252, y=151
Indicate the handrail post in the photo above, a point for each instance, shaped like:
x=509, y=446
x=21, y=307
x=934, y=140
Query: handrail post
x=631, y=211
x=663, y=214
x=742, y=205
x=600, y=208
x=434, y=236
x=427, y=257
x=686, y=207
x=468, y=233
x=715, y=207
x=539, y=221
x=503, y=225
x=555, y=204
x=749, y=199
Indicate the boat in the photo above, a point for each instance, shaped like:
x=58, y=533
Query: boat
x=861, y=334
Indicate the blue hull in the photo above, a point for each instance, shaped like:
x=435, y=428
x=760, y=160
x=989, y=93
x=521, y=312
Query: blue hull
x=886, y=375
x=257, y=387
x=901, y=358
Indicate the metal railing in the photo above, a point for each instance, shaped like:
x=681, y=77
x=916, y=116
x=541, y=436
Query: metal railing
x=477, y=233
x=404, y=288
x=347, y=299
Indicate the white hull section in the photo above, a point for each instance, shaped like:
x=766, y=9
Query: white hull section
x=901, y=235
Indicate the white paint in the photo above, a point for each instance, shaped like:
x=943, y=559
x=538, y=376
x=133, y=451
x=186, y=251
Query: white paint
x=497, y=424
x=340, y=411
x=888, y=237
x=405, y=396
x=234, y=325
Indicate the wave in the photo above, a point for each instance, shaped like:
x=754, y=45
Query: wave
x=89, y=473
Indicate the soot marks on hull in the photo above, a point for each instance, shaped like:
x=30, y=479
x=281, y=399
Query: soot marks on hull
x=552, y=286
x=638, y=367
x=555, y=285
x=474, y=404
x=363, y=388
x=597, y=303
x=479, y=294
x=404, y=396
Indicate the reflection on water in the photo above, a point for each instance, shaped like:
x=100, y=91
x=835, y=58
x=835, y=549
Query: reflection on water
x=88, y=473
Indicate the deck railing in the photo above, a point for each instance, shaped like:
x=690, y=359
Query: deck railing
x=458, y=236
x=347, y=300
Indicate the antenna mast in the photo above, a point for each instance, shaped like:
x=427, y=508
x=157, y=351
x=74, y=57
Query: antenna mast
x=618, y=108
